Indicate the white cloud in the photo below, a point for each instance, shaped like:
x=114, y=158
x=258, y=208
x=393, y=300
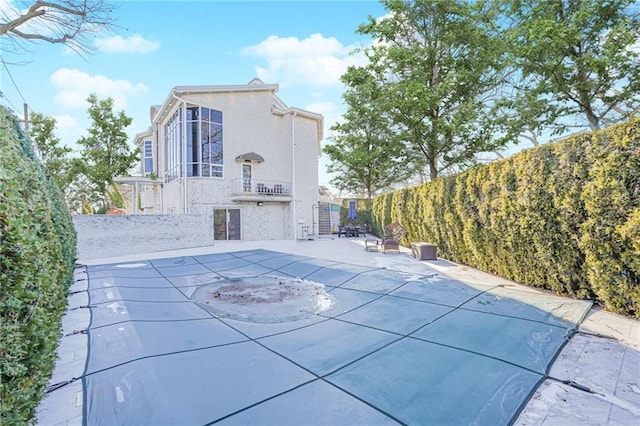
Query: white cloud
x=329, y=111
x=74, y=86
x=8, y=9
x=133, y=44
x=316, y=60
x=68, y=130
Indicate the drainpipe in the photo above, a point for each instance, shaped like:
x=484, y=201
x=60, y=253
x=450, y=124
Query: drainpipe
x=159, y=205
x=183, y=141
x=293, y=175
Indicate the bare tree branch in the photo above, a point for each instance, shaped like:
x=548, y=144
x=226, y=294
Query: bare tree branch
x=69, y=22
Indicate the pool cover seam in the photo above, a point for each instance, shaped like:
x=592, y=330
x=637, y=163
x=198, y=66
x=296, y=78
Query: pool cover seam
x=317, y=376
x=381, y=295
x=277, y=269
x=184, y=351
x=317, y=379
x=546, y=376
x=256, y=341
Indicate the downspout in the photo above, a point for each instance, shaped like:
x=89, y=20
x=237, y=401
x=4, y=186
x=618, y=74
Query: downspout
x=293, y=175
x=155, y=186
x=183, y=119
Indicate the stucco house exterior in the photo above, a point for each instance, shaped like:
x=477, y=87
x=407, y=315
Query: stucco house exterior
x=236, y=154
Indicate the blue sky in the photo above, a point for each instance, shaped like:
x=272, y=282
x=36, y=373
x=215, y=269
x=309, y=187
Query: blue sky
x=304, y=46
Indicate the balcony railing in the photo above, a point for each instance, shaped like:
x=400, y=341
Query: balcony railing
x=260, y=190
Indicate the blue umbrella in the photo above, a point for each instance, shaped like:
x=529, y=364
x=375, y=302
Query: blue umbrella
x=352, y=210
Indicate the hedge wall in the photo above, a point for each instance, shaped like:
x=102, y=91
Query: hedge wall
x=564, y=216
x=37, y=256
x=363, y=212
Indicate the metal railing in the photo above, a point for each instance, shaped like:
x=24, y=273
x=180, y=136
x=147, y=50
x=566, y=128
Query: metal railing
x=260, y=187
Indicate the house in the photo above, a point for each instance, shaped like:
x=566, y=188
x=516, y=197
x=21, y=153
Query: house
x=236, y=154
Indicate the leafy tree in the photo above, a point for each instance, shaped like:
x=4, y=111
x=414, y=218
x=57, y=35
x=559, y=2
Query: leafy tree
x=578, y=58
x=69, y=22
x=105, y=153
x=439, y=64
x=66, y=171
x=54, y=155
x=366, y=153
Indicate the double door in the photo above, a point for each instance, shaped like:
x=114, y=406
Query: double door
x=226, y=224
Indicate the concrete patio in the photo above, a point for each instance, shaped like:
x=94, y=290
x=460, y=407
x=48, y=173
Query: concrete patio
x=594, y=380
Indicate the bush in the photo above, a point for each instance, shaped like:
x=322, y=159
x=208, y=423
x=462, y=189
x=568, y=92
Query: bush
x=37, y=256
x=564, y=216
x=363, y=212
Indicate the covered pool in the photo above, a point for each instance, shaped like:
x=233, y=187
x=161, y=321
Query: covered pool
x=314, y=342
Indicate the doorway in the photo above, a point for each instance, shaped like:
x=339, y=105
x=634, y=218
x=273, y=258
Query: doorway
x=246, y=178
x=226, y=224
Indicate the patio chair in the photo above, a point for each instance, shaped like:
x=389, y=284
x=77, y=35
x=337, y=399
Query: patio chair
x=393, y=234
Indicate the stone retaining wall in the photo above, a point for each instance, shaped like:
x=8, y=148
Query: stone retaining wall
x=107, y=236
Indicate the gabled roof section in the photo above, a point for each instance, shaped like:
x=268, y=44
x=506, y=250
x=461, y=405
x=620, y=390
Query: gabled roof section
x=303, y=113
x=255, y=85
x=138, y=138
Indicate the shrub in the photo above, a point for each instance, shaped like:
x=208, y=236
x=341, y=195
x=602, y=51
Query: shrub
x=37, y=256
x=564, y=216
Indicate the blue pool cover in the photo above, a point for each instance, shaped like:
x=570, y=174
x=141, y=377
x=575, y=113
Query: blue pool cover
x=391, y=348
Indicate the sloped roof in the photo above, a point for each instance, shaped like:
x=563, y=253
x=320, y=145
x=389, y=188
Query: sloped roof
x=250, y=156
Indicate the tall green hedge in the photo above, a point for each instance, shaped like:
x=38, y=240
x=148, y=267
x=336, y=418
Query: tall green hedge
x=37, y=256
x=564, y=216
x=363, y=212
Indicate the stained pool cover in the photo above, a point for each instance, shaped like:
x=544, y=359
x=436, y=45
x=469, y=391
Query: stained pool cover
x=391, y=348
x=263, y=299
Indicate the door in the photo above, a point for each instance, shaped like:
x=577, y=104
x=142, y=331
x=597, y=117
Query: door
x=226, y=224
x=246, y=178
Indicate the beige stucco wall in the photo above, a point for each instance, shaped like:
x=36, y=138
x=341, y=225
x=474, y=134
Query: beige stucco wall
x=250, y=125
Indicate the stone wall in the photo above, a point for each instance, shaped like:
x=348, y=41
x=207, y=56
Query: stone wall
x=107, y=236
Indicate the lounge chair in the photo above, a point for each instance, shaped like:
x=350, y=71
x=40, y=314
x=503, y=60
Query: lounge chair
x=393, y=234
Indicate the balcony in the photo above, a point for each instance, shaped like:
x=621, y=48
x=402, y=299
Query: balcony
x=261, y=190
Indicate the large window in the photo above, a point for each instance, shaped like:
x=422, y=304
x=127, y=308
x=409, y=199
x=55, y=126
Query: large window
x=173, y=154
x=204, y=148
x=148, y=158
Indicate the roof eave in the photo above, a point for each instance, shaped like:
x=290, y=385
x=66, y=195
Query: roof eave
x=175, y=92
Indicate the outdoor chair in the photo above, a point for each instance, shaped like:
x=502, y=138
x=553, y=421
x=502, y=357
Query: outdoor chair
x=393, y=234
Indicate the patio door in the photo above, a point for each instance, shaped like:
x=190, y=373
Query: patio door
x=226, y=224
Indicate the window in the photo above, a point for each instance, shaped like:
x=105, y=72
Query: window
x=148, y=158
x=209, y=151
x=204, y=146
x=173, y=156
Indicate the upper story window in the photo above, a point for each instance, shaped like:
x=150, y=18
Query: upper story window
x=173, y=150
x=204, y=143
x=147, y=158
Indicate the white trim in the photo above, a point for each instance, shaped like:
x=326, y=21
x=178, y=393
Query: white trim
x=188, y=90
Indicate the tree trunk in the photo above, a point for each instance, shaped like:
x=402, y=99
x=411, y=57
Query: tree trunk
x=433, y=170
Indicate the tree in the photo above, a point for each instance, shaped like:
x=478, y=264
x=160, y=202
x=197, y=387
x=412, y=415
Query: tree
x=366, y=153
x=105, y=153
x=580, y=57
x=54, y=156
x=69, y=22
x=440, y=64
